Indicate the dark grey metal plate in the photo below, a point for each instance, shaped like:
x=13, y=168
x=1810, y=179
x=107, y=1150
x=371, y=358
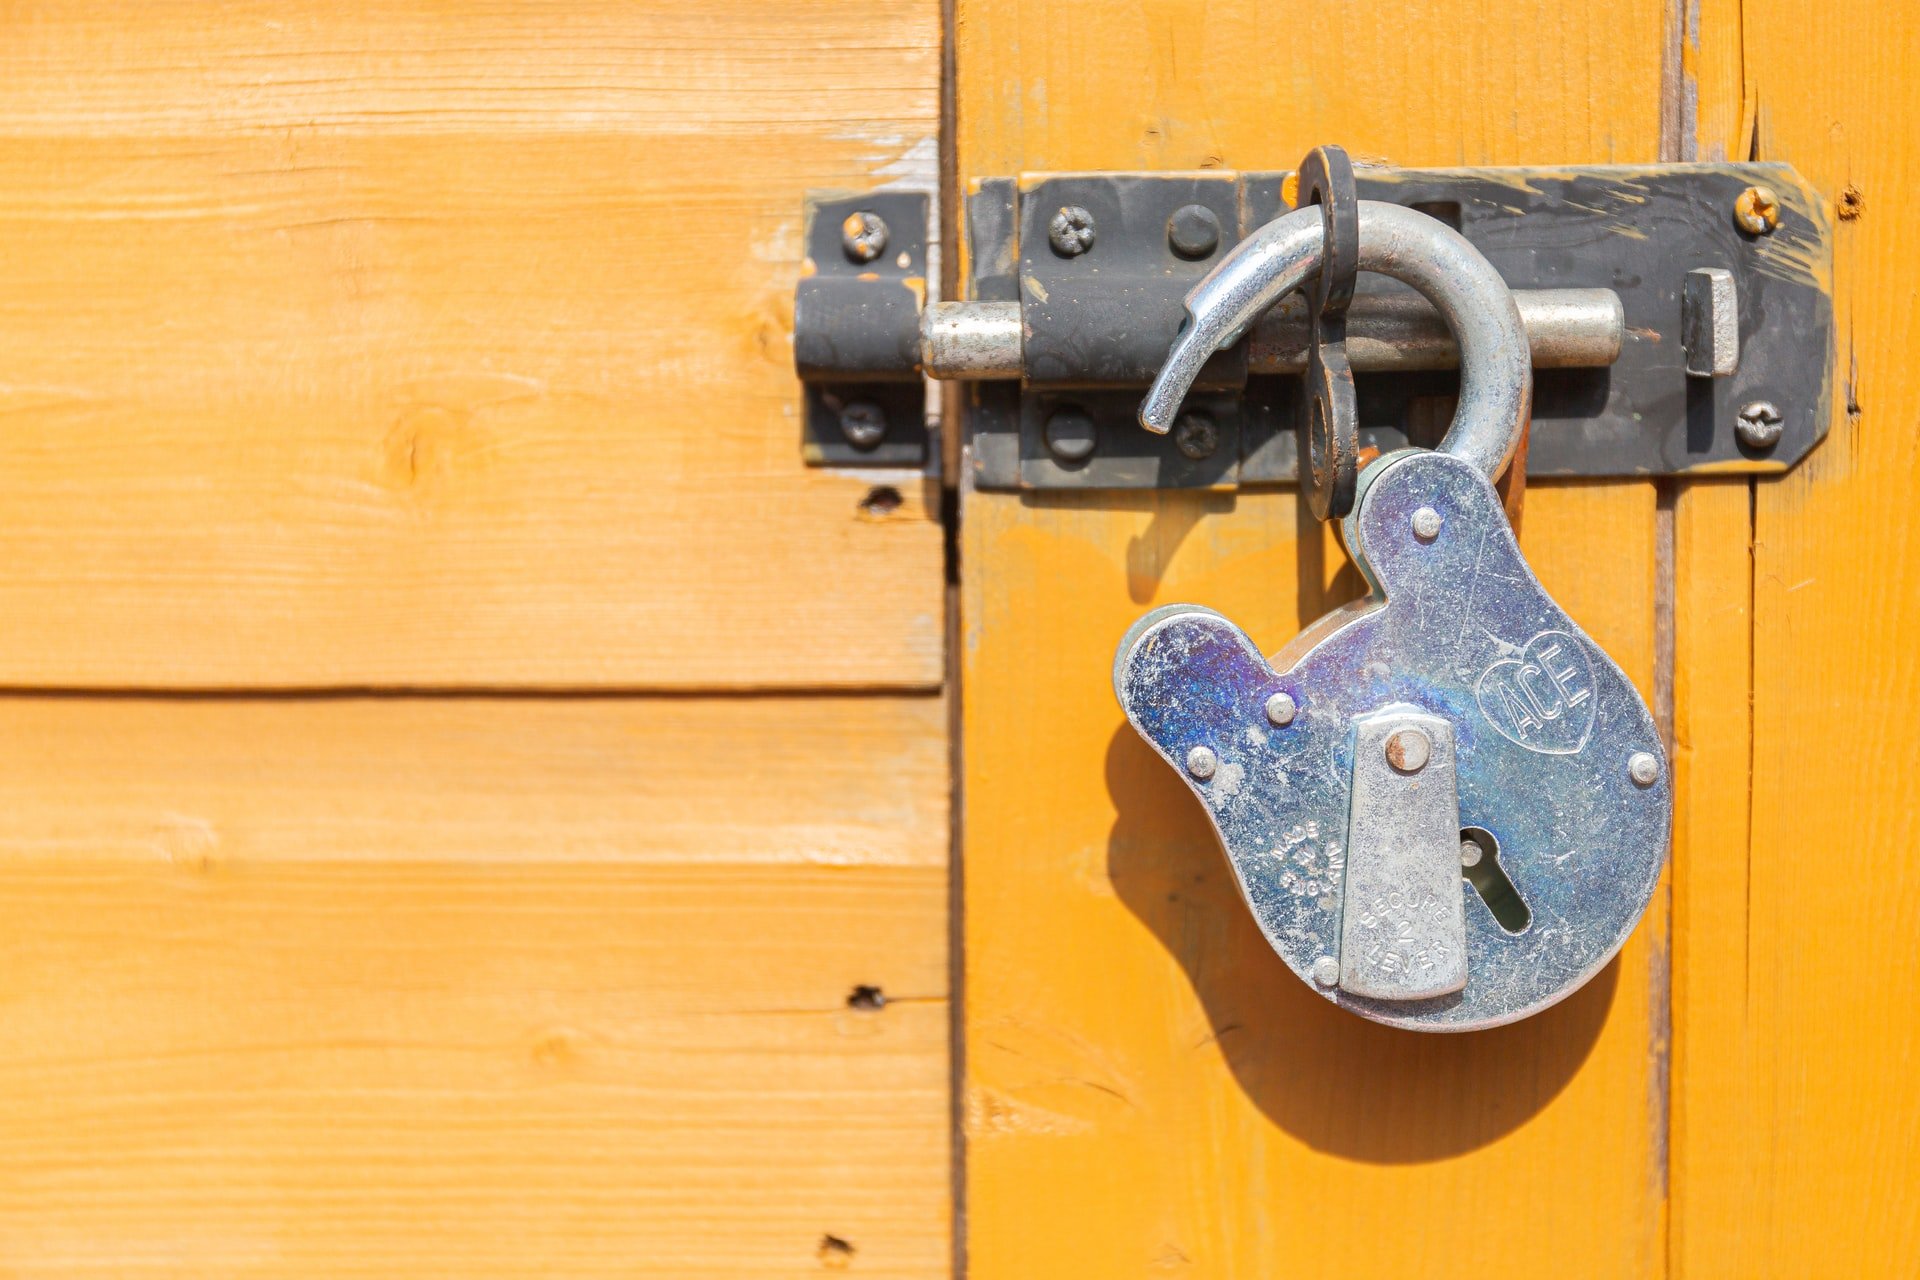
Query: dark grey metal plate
x=859, y=323
x=1635, y=229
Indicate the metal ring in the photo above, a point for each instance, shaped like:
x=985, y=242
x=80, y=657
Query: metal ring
x=1496, y=368
x=1329, y=427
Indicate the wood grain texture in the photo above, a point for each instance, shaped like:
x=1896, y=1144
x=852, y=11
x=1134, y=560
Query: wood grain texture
x=437, y=987
x=1806, y=1140
x=1147, y=1085
x=1148, y=1089
x=1713, y=1155
x=386, y=344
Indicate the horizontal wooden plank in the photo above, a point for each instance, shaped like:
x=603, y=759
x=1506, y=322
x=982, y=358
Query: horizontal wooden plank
x=422, y=987
x=803, y=781
x=390, y=348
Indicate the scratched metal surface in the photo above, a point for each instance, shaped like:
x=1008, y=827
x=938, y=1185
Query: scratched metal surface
x=1544, y=726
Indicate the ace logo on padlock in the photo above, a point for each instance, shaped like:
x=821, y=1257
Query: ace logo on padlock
x=1444, y=804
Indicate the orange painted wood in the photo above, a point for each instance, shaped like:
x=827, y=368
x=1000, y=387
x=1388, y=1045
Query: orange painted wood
x=1148, y=1089
x=1803, y=1132
x=377, y=987
x=393, y=344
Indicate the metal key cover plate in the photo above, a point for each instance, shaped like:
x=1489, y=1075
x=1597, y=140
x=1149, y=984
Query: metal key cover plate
x=1545, y=726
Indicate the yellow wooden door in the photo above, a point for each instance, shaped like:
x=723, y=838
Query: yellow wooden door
x=1147, y=1090
x=473, y=803
x=456, y=764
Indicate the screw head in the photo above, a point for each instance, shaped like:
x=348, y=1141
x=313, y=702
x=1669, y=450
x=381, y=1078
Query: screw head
x=1071, y=436
x=1326, y=971
x=1644, y=768
x=1426, y=524
x=863, y=235
x=1756, y=211
x=1193, y=231
x=1281, y=709
x=1071, y=231
x=863, y=423
x=1759, y=425
x=1470, y=853
x=1195, y=435
x=1409, y=750
x=1201, y=762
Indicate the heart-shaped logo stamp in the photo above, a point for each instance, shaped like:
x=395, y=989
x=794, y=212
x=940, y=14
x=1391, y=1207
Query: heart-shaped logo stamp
x=1542, y=700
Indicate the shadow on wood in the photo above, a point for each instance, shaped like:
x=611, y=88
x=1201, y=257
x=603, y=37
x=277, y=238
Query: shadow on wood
x=1331, y=1079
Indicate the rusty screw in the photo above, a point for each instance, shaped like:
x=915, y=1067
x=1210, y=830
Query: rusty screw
x=1071, y=231
x=864, y=236
x=1409, y=750
x=1195, y=436
x=1756, y=211
x=1759, y=425
x=863, y=424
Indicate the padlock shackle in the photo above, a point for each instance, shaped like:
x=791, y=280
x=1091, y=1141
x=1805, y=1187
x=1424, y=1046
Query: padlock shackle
x=1496, y=365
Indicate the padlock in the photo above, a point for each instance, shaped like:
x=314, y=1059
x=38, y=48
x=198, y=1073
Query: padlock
x=1445, y=805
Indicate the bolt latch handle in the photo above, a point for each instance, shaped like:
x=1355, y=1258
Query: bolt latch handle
x=1496, y=373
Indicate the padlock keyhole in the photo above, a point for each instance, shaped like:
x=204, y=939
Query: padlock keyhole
x=1480, y=864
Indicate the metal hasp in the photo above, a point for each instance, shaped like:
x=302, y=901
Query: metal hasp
x=1556, y=763
x=856, y=330
x=1646, y=366
x=1404, y=934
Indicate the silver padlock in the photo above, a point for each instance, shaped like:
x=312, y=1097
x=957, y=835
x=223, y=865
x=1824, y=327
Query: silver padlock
x=1445, y=805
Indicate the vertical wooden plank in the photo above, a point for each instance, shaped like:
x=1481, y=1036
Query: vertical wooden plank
x=1147, y=1088
x=1803, y=1126
x=1713, y=1165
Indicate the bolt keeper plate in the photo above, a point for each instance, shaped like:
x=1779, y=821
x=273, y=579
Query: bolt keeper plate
x=856, y=330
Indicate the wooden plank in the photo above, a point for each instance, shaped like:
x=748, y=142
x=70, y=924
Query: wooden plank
x=375, y=345
x=365, y=987
x=1713, y=1167
x=1146, y=1082
x=1147, y=1087
x=1809, y=1109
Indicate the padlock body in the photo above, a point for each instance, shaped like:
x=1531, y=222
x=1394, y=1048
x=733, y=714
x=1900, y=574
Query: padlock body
x=1555, y=762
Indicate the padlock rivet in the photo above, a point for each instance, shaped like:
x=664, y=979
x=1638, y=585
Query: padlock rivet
x=1470, y=853
x=1201, y=762
x=1408, y=750
x=1644, y=768
x=1281, y=710
x=1426, y=524
x=1326, y=971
